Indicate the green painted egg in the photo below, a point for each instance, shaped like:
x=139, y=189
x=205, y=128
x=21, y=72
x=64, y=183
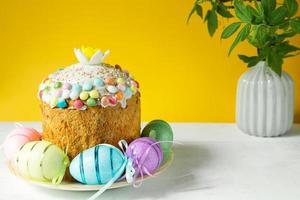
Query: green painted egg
x=161, y=131
x=42, y=161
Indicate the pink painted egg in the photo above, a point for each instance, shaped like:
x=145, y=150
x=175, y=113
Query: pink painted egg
x=17, y=138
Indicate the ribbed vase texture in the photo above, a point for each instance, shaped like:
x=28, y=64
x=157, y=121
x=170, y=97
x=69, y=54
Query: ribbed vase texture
x=265, y=102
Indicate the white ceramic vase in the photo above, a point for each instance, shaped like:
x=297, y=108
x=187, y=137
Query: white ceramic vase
x=265, y=102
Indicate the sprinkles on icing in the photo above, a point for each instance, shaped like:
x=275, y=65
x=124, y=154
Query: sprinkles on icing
x=87, y=84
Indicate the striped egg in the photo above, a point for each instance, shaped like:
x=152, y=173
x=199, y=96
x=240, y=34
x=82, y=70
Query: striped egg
x=17, y=138
x=41, y=161
x=98, y=165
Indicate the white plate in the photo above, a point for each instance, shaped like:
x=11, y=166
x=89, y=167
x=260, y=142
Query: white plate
x=75, y=186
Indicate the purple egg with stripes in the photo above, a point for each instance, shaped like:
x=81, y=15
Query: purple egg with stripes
x=146, y=153
x=98, y=165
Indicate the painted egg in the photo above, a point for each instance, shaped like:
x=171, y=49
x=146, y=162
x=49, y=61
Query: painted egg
x=17, y=138
x=98, y=165
x=146, y=152
x=41, y=161
x=161, y=131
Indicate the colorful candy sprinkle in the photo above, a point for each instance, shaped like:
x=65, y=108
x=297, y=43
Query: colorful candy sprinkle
x=112, y=89
x=94, y=94
x=119, y=95
x=110, y=81
x=58, y=93
x=133, y=88
x=46, y=98
x=47, y=82
x=57, y=85
x=40, y=94
x=53, y=102
x=134, y=83
x=67, y=86
x=112, y=100
x=62, y=103
x=47, y=88
x=128, y=93
x=74, y=95
x=78, y=104
x=121, y=87
x=77, y=88
x=98, y=82
x=65, y=94
x=120, y=81
x=84, y=95
x=87, y=86
x=104, y=101
x=91, y=102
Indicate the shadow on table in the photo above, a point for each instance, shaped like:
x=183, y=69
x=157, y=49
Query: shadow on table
x=179, y=177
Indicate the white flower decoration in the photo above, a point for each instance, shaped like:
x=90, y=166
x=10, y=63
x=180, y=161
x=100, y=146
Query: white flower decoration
x=95, y=59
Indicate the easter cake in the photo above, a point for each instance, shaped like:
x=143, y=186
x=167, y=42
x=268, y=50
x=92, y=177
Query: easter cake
x=89, y=103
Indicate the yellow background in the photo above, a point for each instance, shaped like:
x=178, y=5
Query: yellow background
x=184, y=74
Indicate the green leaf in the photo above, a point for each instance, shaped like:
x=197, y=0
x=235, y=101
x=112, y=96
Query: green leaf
x=268, y=6
x=278, y=15
x=242, y=11
x=285, y=48
x=190, y=15
x=274, y=60
x=212, y=21
x=258, y=17
x=240, y=37
x=223, y=11
x=251, y=61
x=231, y=29
x=260, y=36
x=292, y=7
x=198, y=9
x=295, y=24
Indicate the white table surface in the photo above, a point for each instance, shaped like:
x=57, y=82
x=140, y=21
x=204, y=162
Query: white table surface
x=215, y=162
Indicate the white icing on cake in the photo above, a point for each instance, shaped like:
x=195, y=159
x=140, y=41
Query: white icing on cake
x=83, y=73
